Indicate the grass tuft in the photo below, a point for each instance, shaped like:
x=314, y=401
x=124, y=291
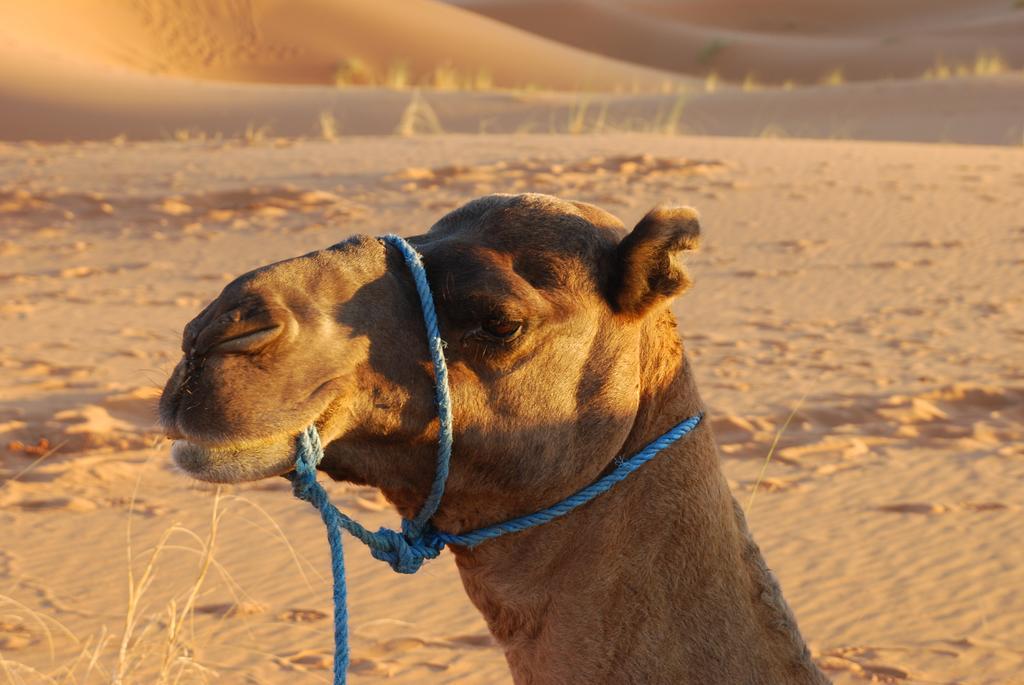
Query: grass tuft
x=771, y=452
x=176, y=652
x=156, y=643
x=328, y=126
x=833, y=78
x=418, y=118
x=354, y=71
x=398, y=75
x=253, y=134
x=985, y=63
x=668, y=123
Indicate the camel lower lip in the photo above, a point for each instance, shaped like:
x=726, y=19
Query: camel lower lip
x=234, y=464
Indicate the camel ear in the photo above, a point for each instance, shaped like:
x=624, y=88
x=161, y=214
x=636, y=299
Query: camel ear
x=647, y=271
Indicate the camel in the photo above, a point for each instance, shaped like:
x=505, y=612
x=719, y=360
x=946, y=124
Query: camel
x=563, y=357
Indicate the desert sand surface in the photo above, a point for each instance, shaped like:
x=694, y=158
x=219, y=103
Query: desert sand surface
x=873, y=288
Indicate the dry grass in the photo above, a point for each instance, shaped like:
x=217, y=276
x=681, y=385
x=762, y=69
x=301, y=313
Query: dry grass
x=771, y=452
x=154, y=648
x=578, y=122
x=190, y=135
x=172, y=645
x=446, y=77
x=254, y=134
x=833, y=78
x=398, y=75
x=355, y=71
x=772, y=131
x=667, y=121
x=711, y=82
x=418, y=118
x=585, y=117
x=328, y=126
x=154, y=645
x=984, y=64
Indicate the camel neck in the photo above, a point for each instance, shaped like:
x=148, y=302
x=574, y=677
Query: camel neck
x=655, y=581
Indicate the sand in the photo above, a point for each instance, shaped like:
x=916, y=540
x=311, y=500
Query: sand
x=797, y=40
x=862, y=298
x=309, y=41
x=873, y=286
x=165, y=71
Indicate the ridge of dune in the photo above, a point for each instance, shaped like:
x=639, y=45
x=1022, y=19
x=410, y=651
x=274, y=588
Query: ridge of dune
x=52, y=99
x=307, y=41
x=801, y=40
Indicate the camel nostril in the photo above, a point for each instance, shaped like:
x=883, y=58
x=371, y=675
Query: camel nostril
x=249, y=342
x=238, y=325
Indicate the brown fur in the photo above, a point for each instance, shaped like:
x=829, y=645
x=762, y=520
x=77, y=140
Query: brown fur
x=657, y=581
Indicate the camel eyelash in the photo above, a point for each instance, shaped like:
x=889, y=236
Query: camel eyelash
x=498, y=331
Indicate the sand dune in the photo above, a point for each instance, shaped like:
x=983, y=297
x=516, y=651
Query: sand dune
x=162, y=70
x=52, y=100
x=307, y=41
x=800, y=40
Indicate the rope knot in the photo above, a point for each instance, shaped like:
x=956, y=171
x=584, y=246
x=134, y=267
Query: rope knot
x=304, y=487
x=405, y=554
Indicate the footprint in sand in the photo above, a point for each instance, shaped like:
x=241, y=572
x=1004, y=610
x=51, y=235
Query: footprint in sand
x=935, y=244
x=854, y=660
x=799, y=246
x=929, y=508
x=473, y=640
x=403, y=644
x=72, y=504
x=301, y=615
x=766, y=273
x=318, y=660
x=14, y=636
x=900, y=264
x=232, y=609
x=306, y=660
x=875, y=673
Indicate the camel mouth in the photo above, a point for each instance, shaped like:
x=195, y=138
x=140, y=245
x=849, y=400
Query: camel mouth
x=241, y=463
x=240, y=458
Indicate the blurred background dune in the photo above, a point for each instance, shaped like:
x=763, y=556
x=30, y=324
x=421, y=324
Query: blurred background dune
x=158, y=68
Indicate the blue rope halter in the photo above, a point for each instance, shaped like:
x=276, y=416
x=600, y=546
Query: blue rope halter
x=406, y=550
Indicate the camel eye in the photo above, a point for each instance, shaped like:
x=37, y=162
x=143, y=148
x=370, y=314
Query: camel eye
x=501, y=329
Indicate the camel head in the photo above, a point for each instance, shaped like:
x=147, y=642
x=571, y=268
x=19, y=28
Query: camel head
x=552, y=314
